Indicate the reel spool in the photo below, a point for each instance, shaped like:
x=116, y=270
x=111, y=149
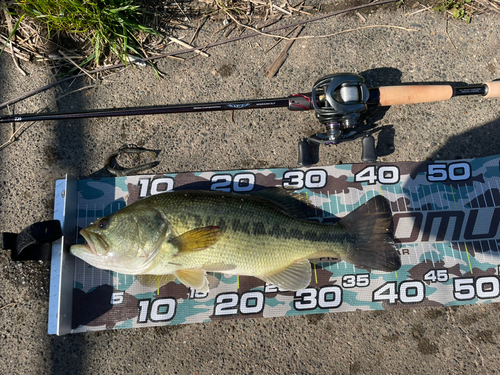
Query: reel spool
x=338, y=100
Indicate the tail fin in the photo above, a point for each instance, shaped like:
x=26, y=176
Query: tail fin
x=372, y=229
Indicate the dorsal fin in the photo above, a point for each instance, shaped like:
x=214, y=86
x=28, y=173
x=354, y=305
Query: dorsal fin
x=295, y=204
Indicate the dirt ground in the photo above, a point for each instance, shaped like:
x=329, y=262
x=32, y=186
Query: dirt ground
x=426, y=47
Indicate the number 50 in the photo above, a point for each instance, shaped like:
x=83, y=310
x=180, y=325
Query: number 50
x=455, y=172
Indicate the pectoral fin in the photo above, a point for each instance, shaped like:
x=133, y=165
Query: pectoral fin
x=295, y=277
x=195, y=278
x=154, y=281
x=196, y=239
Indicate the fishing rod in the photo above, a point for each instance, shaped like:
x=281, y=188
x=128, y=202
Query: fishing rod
x=338, y=101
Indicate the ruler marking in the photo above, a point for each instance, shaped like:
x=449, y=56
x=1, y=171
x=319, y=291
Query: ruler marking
x=432, y=256
x=468, y=257
x=434, y=205
x=483, y=195
x=439, y=195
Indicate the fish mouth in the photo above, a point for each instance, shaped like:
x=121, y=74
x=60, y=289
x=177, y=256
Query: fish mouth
x=90, y=246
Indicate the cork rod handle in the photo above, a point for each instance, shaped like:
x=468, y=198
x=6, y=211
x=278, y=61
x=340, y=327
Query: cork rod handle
x=493, y=90
x=396, y=95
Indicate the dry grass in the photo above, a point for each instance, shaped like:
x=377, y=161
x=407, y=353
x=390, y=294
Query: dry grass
x=65, y=46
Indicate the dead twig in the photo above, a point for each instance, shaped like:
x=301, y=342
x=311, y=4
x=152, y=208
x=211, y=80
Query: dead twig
x=279, y=41
x=178, y=6
x=493, y=5
x=296, y=8
x=19, y=54
x=311, y=36
x=351, y=30
x=281, y=9
x=471, y=344
x=16, y=63
x=200, y=25
x=235, y=20
x=75, y=64
x=283, y=54
x=75, y=91
x=9, y=305
x=361, y=17
x=16, y=133
x=448, y=35
x=186, y=45
x=179, y=25
x=8, y=19
x=268, y=22
x=230, y=28
x=419, y=11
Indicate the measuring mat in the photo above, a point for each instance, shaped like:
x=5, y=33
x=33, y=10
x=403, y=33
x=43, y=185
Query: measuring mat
x=446, y=220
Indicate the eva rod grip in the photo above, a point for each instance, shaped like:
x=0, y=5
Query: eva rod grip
x=396, y=95
x=493, y=89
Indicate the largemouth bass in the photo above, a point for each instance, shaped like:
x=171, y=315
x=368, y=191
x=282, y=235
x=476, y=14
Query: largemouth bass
x=189, y=233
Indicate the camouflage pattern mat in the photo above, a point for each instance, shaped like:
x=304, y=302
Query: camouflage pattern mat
x=446, y=217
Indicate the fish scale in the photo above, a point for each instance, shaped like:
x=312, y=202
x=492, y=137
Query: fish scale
x=252, y=245
x=187, y=233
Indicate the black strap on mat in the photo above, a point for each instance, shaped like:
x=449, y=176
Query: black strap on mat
x=34, y=242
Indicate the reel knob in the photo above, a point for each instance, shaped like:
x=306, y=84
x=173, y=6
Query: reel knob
x=304, y=153
x=369, y=152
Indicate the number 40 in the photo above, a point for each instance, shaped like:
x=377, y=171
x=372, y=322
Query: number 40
x=386, y=174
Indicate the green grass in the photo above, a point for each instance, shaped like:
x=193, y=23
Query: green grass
x=109, y=25
x=457, y=8
x=14, y=29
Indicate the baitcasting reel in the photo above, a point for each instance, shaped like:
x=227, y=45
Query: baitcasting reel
x=338, y=100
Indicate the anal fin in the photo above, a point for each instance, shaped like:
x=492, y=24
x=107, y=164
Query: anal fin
x=195, y=278
x=295, y=277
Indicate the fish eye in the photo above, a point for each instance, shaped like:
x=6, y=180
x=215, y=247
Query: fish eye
x=103, y=223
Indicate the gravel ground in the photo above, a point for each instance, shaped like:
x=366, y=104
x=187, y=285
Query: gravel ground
x=437, y=340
